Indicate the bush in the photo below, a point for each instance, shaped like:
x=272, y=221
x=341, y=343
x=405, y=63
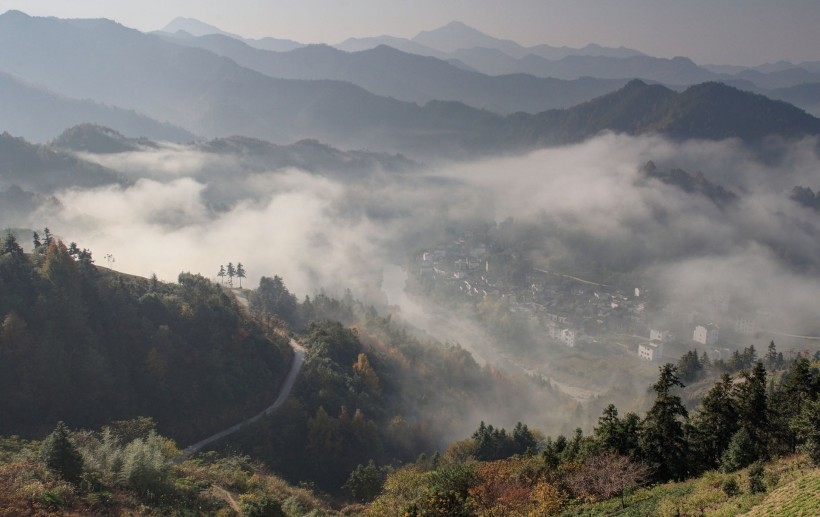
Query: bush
x=756, y=473
x=731, y=487
x=740, y=453
x=144, y=467
x=261, y=505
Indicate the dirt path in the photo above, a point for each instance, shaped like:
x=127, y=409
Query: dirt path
x=298, y=359
x=228, y=498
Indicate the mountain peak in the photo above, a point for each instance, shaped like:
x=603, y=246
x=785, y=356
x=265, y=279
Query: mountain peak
x=634, y=84
x=14, y=17
x=455, y=25
x=191, y=26
x=457, y=35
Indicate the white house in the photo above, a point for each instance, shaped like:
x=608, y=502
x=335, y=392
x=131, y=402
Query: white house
x=706, y=334
x=652, y=351
x=659, y=335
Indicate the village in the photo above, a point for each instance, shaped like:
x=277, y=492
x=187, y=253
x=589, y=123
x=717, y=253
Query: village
x=574, y=312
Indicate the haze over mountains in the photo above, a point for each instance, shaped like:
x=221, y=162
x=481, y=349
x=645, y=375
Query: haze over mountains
x=180, y=86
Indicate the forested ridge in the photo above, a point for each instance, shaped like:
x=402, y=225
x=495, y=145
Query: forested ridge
x=87, y=345
x=375, y=420
x=719, y=459
x=373, y=391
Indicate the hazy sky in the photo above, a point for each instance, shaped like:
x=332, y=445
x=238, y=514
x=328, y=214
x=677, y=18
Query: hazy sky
x=708, y=31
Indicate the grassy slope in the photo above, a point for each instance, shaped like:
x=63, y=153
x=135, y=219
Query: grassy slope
x=792, y=489
x=800, y=498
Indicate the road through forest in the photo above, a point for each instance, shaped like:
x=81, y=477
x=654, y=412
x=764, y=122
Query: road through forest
x=298, y=358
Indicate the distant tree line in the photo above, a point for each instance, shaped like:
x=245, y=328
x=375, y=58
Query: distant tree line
x=741, y=422
x=231, y=272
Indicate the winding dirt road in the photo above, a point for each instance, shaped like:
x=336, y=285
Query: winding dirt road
x=298, y=359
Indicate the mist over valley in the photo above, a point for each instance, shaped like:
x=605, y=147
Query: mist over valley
x=452, y=230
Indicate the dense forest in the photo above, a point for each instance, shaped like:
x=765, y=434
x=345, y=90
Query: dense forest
x=376, y=420
x=743, y=422
x=86, y=345
x=373, y=391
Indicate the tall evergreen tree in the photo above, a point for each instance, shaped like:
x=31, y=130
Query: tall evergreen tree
x=799, y=387
x=753, y=414
x=662, y=441
x=240, y=273
x=771, y=356
x=10, y=246
x=61, y=456
x=221, y=275
x=231, y=273
x=714, y=425
x=608, y=432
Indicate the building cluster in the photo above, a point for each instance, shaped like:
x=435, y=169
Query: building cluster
x=564, y=310
x=574, y=311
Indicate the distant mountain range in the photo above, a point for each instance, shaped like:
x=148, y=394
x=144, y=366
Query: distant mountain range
x=390, y=72
x=215, y=96
x=38, y=115
x=456, y=36
x=44, y=169
x=711, y=111
x=30, y=174
x=192, y=27
x=468, y=49
x=472, y=49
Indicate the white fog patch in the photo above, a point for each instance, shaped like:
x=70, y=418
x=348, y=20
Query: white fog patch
x=148, y=202
x=199, y=211
x=167, y=161
x=165, y=228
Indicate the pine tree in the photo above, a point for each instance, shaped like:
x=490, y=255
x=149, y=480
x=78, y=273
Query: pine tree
x=752, y=405
x=771, y=355
x=662, y=441
x=11, y=247
x=240, y=273
x=231, y=273
x=221, y=275
x=61, y=456
x=714, y=425
x=608, y=431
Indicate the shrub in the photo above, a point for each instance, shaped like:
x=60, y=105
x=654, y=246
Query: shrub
x=261, y=505
x=144, y=467
x=731, y=487
x=756, y=472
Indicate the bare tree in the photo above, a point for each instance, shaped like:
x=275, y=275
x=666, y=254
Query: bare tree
x=607, y=475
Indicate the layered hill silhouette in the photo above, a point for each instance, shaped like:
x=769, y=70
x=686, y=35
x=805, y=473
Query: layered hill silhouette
x=191, y=27
x=216, y=97
x=712, y=111
x=389, y=72
x=471, y=49
x=38, y=114
x=211, y=95
x=44, y=169
x=449, y=39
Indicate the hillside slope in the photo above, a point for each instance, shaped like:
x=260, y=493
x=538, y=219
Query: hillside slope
x=712, y=111
x=107, y=346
